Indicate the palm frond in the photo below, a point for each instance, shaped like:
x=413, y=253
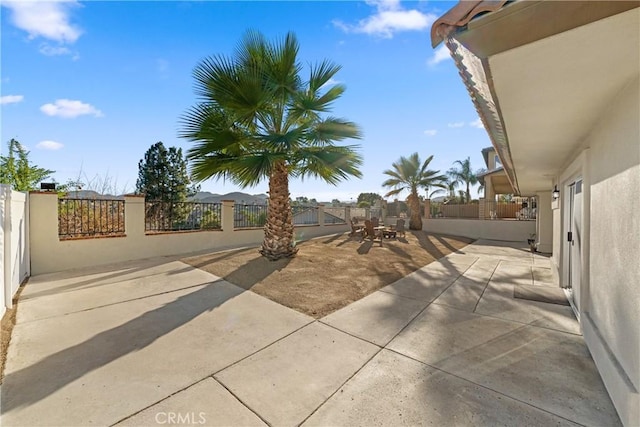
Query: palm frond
x=333, y=129
x=321, y=74
x=255, y=111
x=394, y=192
x=330, y=163
x=410, y=174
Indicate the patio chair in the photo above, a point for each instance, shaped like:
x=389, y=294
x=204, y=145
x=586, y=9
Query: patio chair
x=372, y=233
x=356, y=229
x=400, y=227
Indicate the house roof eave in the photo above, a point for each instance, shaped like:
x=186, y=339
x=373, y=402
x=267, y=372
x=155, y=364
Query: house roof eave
x=476, y=77
x=459, y=16
x=474, y=31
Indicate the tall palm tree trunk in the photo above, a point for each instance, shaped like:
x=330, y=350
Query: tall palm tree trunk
x=415, y=222
x=278, y=231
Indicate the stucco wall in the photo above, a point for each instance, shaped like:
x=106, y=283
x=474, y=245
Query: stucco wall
x=50, y=254
x=613, y=309
x=511, y=231
x=557, y=239
x=544, y=223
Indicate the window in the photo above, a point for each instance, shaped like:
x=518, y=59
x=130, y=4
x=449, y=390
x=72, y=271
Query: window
x=496, y=161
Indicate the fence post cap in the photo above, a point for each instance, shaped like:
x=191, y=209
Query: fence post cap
x=53, y=193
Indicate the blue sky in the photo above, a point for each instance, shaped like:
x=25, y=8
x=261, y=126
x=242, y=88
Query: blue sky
x=90, y=86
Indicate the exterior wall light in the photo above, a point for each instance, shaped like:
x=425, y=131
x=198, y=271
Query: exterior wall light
x=556, y=193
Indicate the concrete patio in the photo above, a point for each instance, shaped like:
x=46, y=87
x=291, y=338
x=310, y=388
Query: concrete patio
x=160, y=342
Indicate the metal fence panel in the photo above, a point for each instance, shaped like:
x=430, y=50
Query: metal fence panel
x=469, y=211
x=335, y=215
x=182, y=216
x=90, y=217
x=522, y=209
x=249, y=216
x=305, y=215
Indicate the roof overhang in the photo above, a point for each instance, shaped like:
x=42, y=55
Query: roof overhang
x=540, y=74
x=485, y=154
x=493, y=172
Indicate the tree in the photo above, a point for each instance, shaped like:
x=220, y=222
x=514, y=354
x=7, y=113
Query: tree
x=257, y=118
x=409, y=174
x=301, y=201
x=163, y=176
x=17, y=171
x=464, y=175
x=370, y=198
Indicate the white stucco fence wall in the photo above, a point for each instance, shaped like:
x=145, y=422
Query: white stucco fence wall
x=510, y=231
x=50, y=254
x=14, y=243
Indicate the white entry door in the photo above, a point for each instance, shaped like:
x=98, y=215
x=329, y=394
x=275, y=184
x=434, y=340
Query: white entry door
x=574, y=240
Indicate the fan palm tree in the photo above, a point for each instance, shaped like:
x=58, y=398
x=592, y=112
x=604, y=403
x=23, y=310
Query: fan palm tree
x=463, y=174
x=448, y=187
x=409, y=174
x=257, y=118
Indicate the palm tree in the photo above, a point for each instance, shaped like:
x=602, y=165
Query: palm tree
x=464, y=174
x=481, y=181
x=408, y=173
x=258, y=119
x=448, y=186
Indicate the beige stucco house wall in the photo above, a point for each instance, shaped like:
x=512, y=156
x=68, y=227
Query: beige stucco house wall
x=611, y=290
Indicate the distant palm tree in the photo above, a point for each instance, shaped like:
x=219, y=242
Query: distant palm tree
x=464, y=175
x=481, y=181
x=257, y=118
x=409, y=174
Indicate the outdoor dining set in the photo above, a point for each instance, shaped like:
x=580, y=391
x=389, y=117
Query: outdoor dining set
x=373, y=230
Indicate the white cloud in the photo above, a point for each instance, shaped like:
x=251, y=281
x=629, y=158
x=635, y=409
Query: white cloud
x=49, y=145
x=441, y=54
x=477, y=123
x=11, y=99
x=331, y=82
x=389, y=18
x=455, y=124
x=67, y=109
x=430, y=132
x=50, y=20
x=48, y=50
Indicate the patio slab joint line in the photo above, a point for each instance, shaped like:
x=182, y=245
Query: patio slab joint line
x=528, y=324
x=243, y=403
x=263, y=348
x=352, y=335
x=125, y=301
x=429, y=303
x=485, y=387
x=159, y=401
x=345, y=381
x=486, y=285
x=437, y=296
x=212, y=375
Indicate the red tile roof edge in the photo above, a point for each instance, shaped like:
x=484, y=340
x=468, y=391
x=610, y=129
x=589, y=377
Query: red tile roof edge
x=460, y=15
